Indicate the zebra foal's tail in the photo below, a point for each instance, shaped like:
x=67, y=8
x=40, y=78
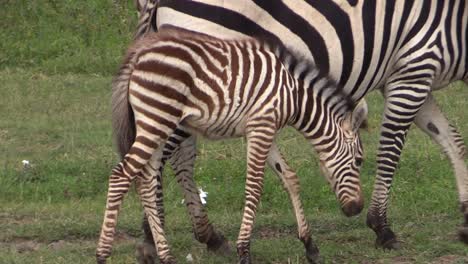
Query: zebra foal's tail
x=123, y=122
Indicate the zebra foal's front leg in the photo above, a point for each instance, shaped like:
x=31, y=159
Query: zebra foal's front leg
x=291, y=184
x=259, y=142
x=433, y=122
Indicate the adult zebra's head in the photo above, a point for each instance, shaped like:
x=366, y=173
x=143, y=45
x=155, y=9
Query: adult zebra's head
x=341, y=156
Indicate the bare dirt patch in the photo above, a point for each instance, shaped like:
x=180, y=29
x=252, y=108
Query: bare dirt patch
x=24, y=245
x=272, y=232
x=450, y=259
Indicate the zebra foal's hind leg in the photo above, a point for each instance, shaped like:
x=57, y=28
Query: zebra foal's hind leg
x=150, y=135
x=180, y=149
x=147, y=187
x=291, y=184
x=146, y=250
x=432, y=121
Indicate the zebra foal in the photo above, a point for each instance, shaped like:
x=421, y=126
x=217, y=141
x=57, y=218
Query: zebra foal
x=224, y=89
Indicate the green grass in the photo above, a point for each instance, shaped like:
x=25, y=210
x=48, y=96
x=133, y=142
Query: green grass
x=56, y=63
x=61, y=124
x=61, y=36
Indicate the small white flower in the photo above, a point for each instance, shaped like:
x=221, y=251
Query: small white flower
x=203, y=195
x=189, y=258
x=26, y=164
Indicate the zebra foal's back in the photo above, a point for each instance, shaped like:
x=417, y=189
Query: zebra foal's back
x=214, y=86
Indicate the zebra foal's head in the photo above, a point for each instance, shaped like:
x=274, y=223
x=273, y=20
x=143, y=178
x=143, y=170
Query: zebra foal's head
x=341, y=157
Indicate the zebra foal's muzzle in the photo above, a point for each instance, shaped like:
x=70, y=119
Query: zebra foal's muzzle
x=351, y=199
x=353, y=207
x=348, y=194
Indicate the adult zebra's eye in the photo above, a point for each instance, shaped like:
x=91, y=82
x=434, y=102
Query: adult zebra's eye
x=358, y=161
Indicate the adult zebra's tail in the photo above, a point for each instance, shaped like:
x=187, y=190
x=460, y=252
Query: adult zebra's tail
x=123, y=121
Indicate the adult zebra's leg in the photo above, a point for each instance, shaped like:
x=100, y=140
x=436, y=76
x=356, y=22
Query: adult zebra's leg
x=404, y=96
x=183, y=162
x=259, y=140
x=433, y=122
x=291, y=183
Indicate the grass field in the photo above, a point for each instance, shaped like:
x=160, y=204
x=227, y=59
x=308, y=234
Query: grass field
x=55, y=94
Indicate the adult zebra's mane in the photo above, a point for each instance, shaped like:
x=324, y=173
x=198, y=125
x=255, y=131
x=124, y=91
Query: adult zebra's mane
x=301, y=67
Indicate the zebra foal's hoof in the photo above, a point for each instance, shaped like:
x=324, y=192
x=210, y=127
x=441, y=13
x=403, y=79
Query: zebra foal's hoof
x=169, y=260
x=146, y=253
x=100, y=260
x=245, y=259
x=463, y=234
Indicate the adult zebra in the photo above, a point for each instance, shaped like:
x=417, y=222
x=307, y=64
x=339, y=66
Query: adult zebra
x=405, y=49
x=225, y=89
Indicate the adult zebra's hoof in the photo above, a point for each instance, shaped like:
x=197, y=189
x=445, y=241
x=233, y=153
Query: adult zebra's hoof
x=312, y=252
x=392, y=244
x=219, y=244
x=387, y=240
x=463, y=234
x=313, y=258
x=146, y=253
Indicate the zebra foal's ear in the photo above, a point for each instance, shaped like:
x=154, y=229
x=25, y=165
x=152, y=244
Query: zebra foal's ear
x=358, y=117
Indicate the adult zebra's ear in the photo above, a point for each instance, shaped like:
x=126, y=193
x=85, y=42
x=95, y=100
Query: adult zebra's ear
x=358, y=118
